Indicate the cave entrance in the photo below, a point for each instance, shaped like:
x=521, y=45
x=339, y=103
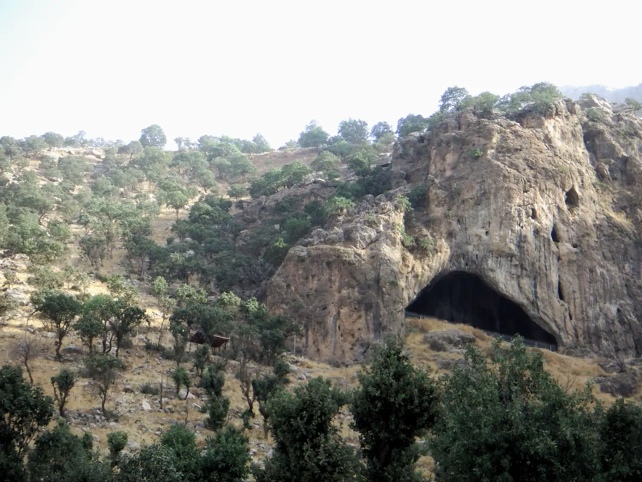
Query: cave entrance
x=460, y=297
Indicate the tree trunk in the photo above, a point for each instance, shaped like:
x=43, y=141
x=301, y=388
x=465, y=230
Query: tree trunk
x=58, y=345
x=29, y=372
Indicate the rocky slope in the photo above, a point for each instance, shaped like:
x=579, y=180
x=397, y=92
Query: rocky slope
x=545, y=211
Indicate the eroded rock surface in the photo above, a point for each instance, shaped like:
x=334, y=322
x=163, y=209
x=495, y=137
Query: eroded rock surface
x=544, y=210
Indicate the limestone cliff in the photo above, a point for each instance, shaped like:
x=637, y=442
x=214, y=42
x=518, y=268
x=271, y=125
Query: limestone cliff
x=544, y=210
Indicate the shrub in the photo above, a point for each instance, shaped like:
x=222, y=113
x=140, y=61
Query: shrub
x=337, y=205
x=418, y=196
x=149, y=388
x=595, y=115
x=476, y=153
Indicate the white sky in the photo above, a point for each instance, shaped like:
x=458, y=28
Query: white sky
x=113, y=67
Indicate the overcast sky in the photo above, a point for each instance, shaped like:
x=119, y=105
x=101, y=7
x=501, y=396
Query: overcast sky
x=113, y=67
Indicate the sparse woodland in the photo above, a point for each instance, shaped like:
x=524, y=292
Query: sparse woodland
x=122, y=257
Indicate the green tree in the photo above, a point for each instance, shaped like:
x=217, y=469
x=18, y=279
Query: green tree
x=294, y=173
x=327, y=163
x=176, y=200
x=354, y=131
x=226, y=457
x=482, y=105
x=153, y=136
x=411, y=123
x=213, y=380
x=393, y=405
x=362, y=160
x=60, y=311
x=11, y=147
x=266, y=387
x=53, y=139
x=539, y=98
x=380, y=129
x=180, y=331
x=125, y=318
x=506, y=418
x=182, y=443
x=155, y=463
x=201, y=359
x=95, y=319
x=307, y=444
x=181, y=379
x=261, y=144
x=237, y=191
x=621, y=436
x=133, y=149
x=60, y=455
x=32, y=145
x=313, y=136
x=337, y=205
x=116, y=441
x=104, y=371
x=89, y=327
x=216, y=409
x=62, y=385
x=166, y=304
x=452, y=98
x=24, y=410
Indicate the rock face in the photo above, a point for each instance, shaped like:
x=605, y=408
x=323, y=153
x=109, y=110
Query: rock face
x=544, y=210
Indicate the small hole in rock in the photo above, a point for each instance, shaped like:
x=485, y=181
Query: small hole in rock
x=554, y=236
x=572, y=198
x=560, y=293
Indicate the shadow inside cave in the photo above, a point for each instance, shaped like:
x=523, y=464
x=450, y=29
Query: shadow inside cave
x=460, y=297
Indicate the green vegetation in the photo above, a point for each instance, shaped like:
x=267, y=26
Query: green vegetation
x=497, y=418
x=394, y=404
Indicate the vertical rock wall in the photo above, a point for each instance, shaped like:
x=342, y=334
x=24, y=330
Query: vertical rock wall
x=544, y=210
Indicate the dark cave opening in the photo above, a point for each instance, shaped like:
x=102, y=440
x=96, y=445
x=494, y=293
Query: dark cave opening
x=461, y=297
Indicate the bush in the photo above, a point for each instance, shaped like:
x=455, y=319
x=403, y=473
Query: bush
x=418, y=196
x=476, y=153
x=149, y=389
x=216, y=410
x=595, y=115
x=337, y=205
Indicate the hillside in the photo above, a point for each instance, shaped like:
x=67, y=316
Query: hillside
x=511, y=217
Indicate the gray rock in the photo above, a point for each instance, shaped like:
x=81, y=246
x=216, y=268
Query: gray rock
x=448, y=340
x=184, y=395
x=620, y=385
x=72, y=350
x=18, y=296
x=132, y=445
x=145, y=405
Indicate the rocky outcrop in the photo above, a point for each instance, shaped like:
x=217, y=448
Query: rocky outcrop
x=544, y=210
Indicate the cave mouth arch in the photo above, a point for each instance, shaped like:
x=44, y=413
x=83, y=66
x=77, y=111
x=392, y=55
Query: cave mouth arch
x=461, y=297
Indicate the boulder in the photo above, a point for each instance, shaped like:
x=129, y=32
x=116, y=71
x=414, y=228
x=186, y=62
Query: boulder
x=448, y=340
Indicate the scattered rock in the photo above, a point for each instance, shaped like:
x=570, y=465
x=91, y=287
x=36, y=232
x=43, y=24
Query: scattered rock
x=448, y=340
x=611, y=366
x=71, y=350
x=620, y=385
x=182, y=395
x=146, y=406
x=132, y=445
x=18, y=296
